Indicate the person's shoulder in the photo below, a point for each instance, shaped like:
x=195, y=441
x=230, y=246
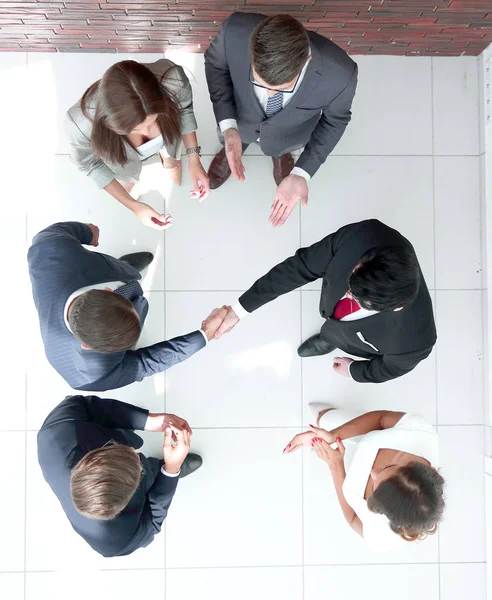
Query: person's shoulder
x=414, y=422
x=333, y=58
x=162, y=66
x=240, y=22
x=76, y=120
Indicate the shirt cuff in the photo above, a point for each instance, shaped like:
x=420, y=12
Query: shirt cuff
x=350, y=372
x=204, y=335
x=301, y=173
x=239, y=310
x=170, y=474
x=227, y=124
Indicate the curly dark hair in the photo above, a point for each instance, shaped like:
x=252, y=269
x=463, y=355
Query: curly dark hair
x=412, y=499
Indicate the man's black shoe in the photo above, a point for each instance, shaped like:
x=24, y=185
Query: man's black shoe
x=138, y=260
x=191, y=463
x=315, y=346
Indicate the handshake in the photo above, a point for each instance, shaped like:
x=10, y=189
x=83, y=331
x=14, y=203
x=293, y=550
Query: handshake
x=219, y=321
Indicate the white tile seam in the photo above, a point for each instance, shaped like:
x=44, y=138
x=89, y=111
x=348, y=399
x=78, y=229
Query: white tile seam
x=25, y=511
x=259, y=155
x=249, y=428
x=302, y=419
x=309, y=291
x=435, y=282
x=291, y=566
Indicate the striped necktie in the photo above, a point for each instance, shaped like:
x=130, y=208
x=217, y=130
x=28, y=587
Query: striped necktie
x=274, y=104
x=130, y=290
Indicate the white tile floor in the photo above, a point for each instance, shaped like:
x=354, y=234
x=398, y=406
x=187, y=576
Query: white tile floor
x=252, y=522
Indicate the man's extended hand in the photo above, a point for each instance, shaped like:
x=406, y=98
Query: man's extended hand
x=234, y=152
x=229, y=322
x=95, y=234
x=341, y=365
x=292, y=189
x=213, y=322
x=157, y=422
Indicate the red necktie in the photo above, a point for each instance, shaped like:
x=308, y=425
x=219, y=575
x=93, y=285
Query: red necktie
x=344, y=307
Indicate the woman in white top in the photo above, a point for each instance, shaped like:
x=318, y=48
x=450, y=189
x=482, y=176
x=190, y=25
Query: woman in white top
x=385, y=473
x=133, y=112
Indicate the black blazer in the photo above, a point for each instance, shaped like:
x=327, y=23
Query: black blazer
x=315, y=118
x=60, y=265
x=80, y=424
x=394, y=342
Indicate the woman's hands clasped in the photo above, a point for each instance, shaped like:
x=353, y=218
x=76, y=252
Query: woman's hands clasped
x=320, y=441
x=332, y=457
x=304, y=439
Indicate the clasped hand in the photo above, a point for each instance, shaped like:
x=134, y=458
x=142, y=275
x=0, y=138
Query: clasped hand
x=320, y=440
x=220, y=321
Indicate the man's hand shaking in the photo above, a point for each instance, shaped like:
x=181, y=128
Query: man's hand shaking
x=220, y=321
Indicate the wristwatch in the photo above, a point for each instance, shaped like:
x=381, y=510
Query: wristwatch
x=195, y=150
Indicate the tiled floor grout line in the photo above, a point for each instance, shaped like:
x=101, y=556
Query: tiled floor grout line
x=25, y=437
x=347, y=155
x=302, y=421
x=164, y=525
x=435, y=284
x=292, y=566
x=293, y=291
x=255, y=427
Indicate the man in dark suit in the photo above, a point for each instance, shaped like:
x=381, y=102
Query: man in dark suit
x=374, y=299
x=114, y=497
x=92, y=309
x=276, y=84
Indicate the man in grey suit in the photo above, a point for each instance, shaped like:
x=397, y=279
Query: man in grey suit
x=276, y=84
x=91, y=311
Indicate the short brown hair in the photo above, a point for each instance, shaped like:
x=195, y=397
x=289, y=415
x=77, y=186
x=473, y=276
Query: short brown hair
x=412, y=499
x=104, y=481
x=279, y=48
x=124, y=97
x=104, y=321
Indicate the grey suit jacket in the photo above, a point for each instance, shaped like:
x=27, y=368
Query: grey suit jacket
x=79, y=130
x=58, y=266
x=316, y=116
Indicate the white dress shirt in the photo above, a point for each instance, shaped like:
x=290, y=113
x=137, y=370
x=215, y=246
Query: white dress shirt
x=170, y=474
x=151, y=147
x=262, y=96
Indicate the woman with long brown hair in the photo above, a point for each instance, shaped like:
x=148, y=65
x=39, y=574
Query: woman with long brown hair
x=135, y=112
x=384, y=471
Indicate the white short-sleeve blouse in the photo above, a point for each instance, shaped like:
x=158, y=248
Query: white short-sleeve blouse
x=411, y=434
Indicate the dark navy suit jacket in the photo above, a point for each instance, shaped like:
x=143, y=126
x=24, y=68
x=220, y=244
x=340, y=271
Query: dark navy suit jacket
x=81, y=424
x=58, y=266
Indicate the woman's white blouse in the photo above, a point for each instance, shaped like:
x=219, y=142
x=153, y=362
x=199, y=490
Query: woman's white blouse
x=411, y=434
x=150, y=147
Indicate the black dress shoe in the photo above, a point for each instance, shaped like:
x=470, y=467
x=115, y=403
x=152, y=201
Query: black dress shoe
x=191, y=463
x=315, y=346
x=138, y=260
